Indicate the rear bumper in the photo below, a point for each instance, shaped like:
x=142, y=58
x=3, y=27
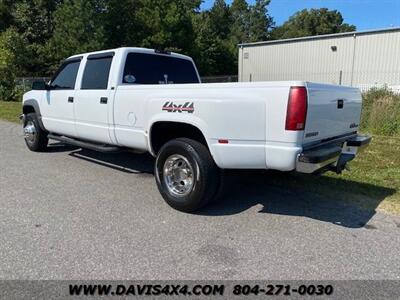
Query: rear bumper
x=333, y=156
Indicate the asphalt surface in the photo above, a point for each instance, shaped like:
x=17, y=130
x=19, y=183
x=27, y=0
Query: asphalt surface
x=76, y=214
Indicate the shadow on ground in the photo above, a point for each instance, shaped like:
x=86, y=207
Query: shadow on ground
x=338, y=201
x=124, y=161
x=277, y=193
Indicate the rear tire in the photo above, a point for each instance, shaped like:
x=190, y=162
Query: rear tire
x=186, y=174
x=35, y=137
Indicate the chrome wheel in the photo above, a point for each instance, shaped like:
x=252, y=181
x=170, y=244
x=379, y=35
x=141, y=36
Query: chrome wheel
x=30, y=132
x=178, y=175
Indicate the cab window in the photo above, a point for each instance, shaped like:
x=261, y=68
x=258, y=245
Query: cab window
x=65, y=77
x=96, y=74
x=142, y=68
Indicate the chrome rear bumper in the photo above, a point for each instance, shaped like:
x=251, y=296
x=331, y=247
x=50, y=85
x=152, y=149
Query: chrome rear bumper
x=333, y=156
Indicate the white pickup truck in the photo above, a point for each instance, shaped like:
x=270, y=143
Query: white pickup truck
x=149, y=100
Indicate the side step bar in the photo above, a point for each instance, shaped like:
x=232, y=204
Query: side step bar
x=86, y=145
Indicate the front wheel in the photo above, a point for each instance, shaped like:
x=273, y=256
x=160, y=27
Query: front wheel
x=35, y=137
x=186, y=175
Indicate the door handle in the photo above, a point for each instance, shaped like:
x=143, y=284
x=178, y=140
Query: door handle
x=70, y=99
x=103, y=100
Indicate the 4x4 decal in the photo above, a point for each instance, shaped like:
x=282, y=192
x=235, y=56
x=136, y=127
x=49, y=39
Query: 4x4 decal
x=169, y=106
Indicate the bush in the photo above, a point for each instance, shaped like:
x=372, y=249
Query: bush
x=11, y=54
x=381, y=112
x=7, y=86
x=18, y=93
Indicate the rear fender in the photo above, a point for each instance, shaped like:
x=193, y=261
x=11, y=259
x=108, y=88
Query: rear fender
x=189, y=119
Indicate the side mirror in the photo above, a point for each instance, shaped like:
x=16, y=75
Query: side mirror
x=40, y=85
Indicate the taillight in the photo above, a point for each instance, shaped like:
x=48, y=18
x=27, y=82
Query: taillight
x=297, y=108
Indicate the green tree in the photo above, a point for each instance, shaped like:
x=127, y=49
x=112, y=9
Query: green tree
x=78, y=28
x=120, y=23
x=312, y=22
x=212, y=54
x=11, y=53
x=33, y=20
x=51, y=30
x=213, y=43
x=6, y=19
x=223, y=27
x=240, y=12
x=205, y=47
x=260, y=21
x=167, y=24
x=221, y=19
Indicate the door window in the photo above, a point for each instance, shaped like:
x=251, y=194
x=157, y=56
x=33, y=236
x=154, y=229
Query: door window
x=141, y=68
x=95, y=76
x=65, y=77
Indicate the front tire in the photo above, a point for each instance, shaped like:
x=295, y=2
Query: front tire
x=35, y=137
x=186, y=175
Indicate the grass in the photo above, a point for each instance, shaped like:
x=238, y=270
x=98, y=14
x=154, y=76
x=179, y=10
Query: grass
x=373, y=182
x=381, y=112
x=10, y=111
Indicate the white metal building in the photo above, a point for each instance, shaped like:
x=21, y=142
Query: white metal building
x=362, y=59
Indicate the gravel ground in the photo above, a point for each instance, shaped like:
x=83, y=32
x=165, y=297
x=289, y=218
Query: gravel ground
x=75, y=214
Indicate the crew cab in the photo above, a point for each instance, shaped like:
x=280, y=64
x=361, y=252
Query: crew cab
x=148, y=100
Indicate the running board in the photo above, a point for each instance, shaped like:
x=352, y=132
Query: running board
x=86, y=145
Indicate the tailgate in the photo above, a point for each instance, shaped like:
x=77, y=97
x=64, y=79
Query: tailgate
x=332, y=111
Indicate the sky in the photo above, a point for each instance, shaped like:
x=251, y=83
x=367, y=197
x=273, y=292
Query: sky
x=365, y=14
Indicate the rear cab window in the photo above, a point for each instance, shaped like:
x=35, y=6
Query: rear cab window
x=97, y=71
x=143, y=68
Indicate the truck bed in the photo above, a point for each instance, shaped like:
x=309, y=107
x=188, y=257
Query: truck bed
x=251, y=116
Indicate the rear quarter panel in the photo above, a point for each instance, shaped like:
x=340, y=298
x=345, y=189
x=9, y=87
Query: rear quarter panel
x=220, y=113
x=250, y=115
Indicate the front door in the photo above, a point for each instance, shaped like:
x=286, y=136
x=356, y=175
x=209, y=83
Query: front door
x=58, y=106
x=93, y=101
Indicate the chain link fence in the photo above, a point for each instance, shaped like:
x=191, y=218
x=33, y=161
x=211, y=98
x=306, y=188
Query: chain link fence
x=362, y=80
x=215, y=79
x=25, y=83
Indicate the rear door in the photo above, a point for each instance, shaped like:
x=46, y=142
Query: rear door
x=93, y=99
x=332, y=111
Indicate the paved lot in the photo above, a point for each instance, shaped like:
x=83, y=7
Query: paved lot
x=75, y=214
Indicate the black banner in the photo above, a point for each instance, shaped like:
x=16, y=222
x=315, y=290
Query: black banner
x=352, y=289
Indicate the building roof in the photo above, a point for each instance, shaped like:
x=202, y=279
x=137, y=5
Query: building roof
x=324, y=36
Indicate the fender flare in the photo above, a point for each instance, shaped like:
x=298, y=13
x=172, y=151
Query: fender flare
x=197, y=123
x=34, y=103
